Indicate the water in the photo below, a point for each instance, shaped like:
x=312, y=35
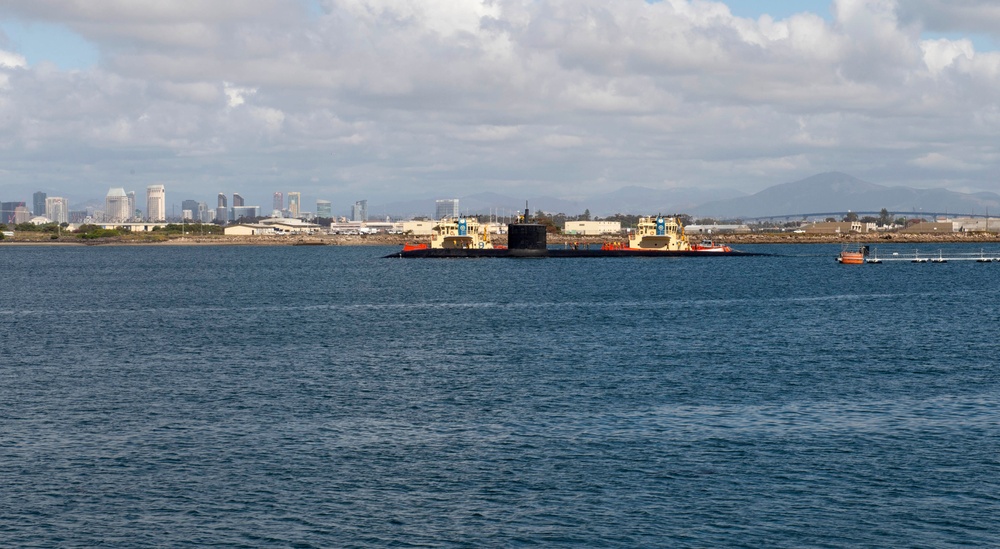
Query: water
x=323, y=397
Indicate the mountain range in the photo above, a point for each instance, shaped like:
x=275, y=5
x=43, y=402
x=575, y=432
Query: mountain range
x=822, y=193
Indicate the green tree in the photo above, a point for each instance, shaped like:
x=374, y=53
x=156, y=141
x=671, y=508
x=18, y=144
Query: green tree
x=883, y=217
x=851, y=217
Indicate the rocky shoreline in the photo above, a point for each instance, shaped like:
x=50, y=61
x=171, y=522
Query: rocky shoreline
x=34, y=239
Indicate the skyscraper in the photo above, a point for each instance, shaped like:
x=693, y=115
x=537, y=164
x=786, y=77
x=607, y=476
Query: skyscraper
x=294, y=203
x=237, y=200
x=57, y=209
x=360, y=211
x=324, y=209
x=278, y=203
x=116, y=205
x=222, y=211
x=191, y=207
x=132, y=212
x=38, y=201
x=8, y=211
x=156, y=203
x=446, y=208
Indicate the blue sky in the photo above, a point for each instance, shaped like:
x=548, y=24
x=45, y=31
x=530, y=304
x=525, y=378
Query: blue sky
x=40, y=42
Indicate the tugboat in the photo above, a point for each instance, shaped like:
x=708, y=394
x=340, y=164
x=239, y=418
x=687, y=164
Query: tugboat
x=463, y=233
x=659, y=234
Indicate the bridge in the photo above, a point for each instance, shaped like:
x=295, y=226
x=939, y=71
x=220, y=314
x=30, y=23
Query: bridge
x=840, y=215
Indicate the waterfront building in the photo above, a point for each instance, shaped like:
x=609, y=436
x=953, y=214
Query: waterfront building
x=133, y=212
x=116, y=205
x=156, y=203
x=446, y=208
x=237, y=200
x=38, y=203
x=359, y=212
x=586, y=228
x=324, y=209
x=204, y=214
x=294, y=203
x=278, y=202
x=57, y=209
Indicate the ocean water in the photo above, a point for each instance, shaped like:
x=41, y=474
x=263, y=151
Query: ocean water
x=325, y=397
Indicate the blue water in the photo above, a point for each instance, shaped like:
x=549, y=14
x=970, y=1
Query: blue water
x=324, y=397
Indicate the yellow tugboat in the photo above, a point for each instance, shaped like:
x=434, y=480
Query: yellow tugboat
x=463, y=233
x=659, y=234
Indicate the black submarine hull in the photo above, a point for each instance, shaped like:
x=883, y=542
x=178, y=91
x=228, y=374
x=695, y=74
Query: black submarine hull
x=444, y=253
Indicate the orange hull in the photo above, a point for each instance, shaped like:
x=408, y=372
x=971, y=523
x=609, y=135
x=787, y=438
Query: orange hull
x=851, y=258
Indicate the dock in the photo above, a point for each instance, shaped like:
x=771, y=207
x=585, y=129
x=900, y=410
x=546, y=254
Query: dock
x=916, y=256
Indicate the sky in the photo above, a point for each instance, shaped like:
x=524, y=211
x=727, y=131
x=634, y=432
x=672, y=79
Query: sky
x=388, y=101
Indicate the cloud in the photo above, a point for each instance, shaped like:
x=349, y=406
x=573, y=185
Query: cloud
x=458, y=96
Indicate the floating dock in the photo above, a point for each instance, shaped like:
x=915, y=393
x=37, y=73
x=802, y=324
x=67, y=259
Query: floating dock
x=916, y=256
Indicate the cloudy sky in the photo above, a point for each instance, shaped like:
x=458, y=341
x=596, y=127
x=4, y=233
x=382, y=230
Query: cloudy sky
x=388, y=100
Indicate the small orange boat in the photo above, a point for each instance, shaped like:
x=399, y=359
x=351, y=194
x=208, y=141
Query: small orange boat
x=848, y=257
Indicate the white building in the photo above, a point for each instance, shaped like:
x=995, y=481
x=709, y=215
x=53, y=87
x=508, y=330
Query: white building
x=359, y=212
x=156, y=203
x=116, y=207
x=587, y=228
x=249, y=229
x=57, y=209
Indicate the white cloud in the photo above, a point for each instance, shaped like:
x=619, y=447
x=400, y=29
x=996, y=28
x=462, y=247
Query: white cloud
x=566, y=94
x=10, y=60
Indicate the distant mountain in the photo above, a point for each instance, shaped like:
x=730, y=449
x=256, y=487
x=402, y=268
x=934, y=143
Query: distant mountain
x=840, y=192
x=626, y=200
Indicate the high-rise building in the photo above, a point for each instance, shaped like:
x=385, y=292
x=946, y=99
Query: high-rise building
x=360, y=211
x=133, y=212
x=38, y=201
x=237, y=200
x=191, y=205
x=294, y=203
x=446, y=208
x=116, y=207
x=245, y=212
x=222, y=211
x=57, y=209
x=156, y=203
x=8, y=211
x=22, y=214
x=324, y=209
x=203, y=213
x=278, y=203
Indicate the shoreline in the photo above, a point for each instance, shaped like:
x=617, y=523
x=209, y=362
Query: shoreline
x=553, y=239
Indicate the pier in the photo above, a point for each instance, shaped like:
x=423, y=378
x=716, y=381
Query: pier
x=916, y=256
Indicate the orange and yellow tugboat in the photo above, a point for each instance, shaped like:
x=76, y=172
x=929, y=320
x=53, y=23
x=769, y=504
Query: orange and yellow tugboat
x=659, y=234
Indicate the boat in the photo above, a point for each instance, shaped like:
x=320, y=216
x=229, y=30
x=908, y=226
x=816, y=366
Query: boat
x=463, y=233
x=710, y=246
x=659, y=234
x=654, y=237
x=852, y=257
